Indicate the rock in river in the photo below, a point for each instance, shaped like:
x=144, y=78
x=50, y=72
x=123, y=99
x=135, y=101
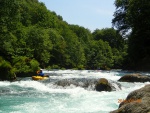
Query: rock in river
x=103, y=85
x=137, y=101
x=134, y=78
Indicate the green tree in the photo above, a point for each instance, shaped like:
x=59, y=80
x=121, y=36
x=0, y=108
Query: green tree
x=116, y=42
x=137, y=19
x=85, y=37
x=39, y=41
x=24, y=66
x=9, y=21
x=58, y=50
x=110, y=35
x=120, y=20
x=7, y=72
x=74, y=50
x=100, y=55
x=139, y=41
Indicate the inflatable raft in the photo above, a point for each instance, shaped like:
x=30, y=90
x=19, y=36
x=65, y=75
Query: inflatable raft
x=39, y=77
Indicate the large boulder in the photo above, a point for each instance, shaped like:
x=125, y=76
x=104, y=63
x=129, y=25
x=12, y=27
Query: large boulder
x=103, y=85
x=134, y=78
x=137, y=101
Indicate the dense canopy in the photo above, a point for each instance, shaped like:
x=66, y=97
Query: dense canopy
x=134, y=16
x=34, y=37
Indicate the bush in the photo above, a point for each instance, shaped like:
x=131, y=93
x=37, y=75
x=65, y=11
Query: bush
x=7, y=72
x=25, y=66
x=55, y=67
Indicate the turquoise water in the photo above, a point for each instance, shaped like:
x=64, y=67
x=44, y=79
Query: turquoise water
x=28, y=96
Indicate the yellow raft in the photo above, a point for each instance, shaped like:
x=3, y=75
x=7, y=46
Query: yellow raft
x=39, y=77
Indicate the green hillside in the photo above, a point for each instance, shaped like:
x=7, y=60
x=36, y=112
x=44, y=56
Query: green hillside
x=34, y=37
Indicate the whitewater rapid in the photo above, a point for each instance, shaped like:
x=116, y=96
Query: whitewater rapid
x=28, y=96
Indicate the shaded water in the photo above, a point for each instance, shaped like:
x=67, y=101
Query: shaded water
x=28, y=96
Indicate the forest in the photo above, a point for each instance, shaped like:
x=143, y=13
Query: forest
x=34, y=37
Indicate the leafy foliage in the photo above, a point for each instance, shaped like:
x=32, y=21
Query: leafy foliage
x=34, y=37
x=25, y=64
x=120, y=20
x=134, y=15
x=115, y=41
x=6, y=70
x=100, y=55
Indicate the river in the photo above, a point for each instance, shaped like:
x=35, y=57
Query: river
x=47, y=96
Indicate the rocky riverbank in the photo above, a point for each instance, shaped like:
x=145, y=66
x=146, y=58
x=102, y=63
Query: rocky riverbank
x=137, y=101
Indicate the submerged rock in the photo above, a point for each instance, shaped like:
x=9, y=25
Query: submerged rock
x=83, y=82
x=137, y=101
x=134, y=78
x=90, y=84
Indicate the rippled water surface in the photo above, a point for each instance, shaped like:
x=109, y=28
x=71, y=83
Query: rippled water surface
x=28, y=96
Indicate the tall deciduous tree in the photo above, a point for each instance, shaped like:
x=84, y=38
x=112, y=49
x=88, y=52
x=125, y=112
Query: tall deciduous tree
x=116, y=42
x=100, y=55
x=139, y=41
x=134, y=15
x=110, y=35
x=39, y=41
x=120, y=20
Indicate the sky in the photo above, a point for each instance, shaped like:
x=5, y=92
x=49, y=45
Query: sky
x=91, y=14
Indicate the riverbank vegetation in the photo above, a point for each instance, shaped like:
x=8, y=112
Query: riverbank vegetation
x=33, y=36
x=131, y=19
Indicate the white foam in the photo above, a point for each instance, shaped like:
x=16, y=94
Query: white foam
x=85, y=74
x=71, y=99
x=4, y=83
